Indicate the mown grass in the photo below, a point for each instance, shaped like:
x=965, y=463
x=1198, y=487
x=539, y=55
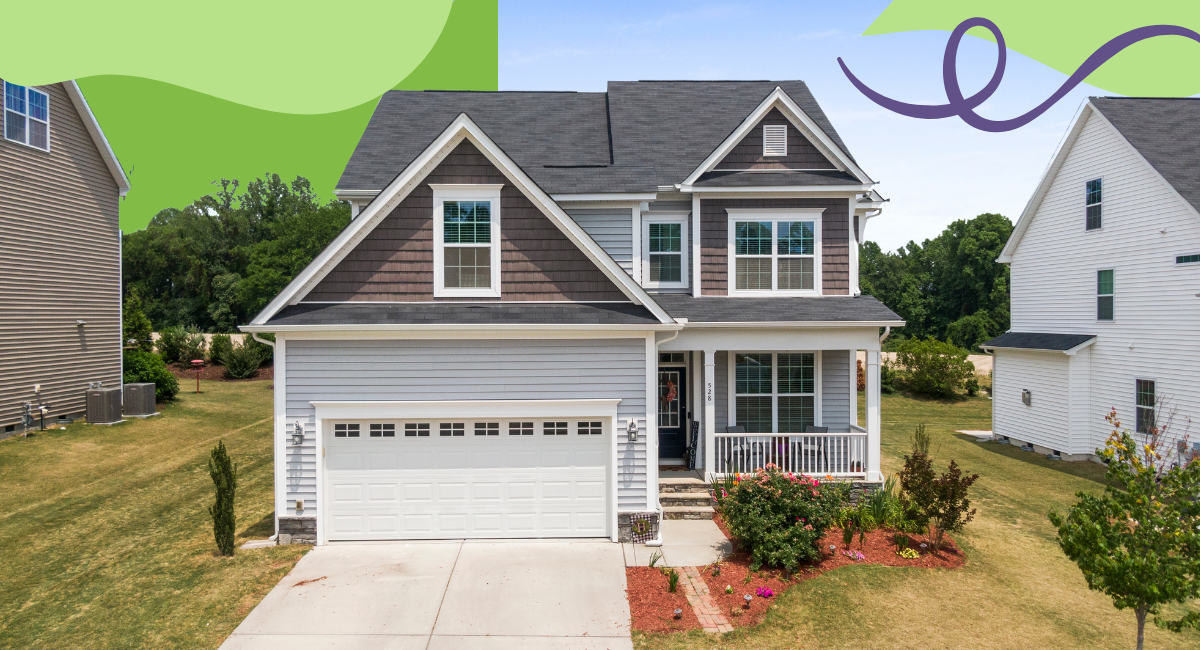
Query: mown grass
x=105, y=539
x=1017, y=590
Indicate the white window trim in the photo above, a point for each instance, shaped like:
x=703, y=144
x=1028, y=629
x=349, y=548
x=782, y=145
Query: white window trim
x=443, y=193
x=681, y=218
x=28, y=117
x=774, y=214
x=1099, y=295
x=816, y=394
x=1087, y=205
x=785, y=139
x=1137, y=408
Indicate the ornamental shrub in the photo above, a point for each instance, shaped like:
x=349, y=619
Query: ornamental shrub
x=147, y=367
x=192, y=345
x=219, y=348
x=134, y=324
x=779, y=518
x=934, y=368
x=242, y=361
x=223, y=471
x=170, y=342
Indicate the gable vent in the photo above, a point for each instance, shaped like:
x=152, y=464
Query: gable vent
x=774, y=139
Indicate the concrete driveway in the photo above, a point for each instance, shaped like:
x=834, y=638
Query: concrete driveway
x=451, y=594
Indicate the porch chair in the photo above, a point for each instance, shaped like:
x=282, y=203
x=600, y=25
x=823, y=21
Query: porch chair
x=818, y=447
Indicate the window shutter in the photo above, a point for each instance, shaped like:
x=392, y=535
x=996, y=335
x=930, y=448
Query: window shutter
x=774, y=139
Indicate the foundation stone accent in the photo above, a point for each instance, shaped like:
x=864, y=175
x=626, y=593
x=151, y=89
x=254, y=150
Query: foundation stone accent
x=297, y=530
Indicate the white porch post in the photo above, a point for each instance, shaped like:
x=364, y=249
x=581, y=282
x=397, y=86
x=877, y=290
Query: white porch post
x=873, y=438
x=710, y=411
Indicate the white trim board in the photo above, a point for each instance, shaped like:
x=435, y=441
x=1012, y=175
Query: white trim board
x=803, y=123
x=462, y=128
x=466, y=409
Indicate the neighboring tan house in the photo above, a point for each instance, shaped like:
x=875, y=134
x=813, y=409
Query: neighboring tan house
x=541, y=293
x=60, y=253
x=1106, y=283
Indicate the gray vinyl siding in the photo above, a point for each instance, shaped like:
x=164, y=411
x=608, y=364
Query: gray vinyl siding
x=465, y=370
x=612, y=228
x=721, y=385
x=60, y=262
x=835, y=389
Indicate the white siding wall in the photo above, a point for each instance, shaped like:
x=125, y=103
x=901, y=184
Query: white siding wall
x=463, y=370
x=1044, y=422
x=611, y=228
x=1146, y=225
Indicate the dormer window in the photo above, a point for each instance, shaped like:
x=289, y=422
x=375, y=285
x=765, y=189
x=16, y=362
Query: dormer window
x=26, y=116
x=466, y=235
x=774, y=140
x=775, y=252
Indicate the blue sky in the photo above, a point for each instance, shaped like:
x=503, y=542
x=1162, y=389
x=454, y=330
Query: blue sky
x=934, y=171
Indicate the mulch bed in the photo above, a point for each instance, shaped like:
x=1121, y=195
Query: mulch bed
x=212, y=372
x=878, y=548
x=651, y=606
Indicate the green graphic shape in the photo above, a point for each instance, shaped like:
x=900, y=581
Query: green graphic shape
x=290, y=56
x=1062, y=34
x=174, y=141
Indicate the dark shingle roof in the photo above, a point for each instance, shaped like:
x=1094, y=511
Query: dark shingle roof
x=464, y=314
x=723, y=309
x=1038, y=341
x=1166, y=132
x=633, y=138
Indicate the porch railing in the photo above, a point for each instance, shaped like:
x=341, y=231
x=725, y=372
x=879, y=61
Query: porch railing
x=815, y=454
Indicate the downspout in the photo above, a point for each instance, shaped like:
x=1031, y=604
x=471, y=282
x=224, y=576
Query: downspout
x=254, y=335
x=658, y=541
x=886, y=331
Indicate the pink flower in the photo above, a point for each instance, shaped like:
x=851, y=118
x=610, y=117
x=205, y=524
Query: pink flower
x=808, y=527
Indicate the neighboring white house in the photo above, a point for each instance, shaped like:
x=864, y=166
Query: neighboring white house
x=1105, y=267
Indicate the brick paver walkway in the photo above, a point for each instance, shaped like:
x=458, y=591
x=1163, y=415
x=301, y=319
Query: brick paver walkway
x=710, y=615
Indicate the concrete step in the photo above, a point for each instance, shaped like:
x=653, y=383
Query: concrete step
x=687, y=512
x=685, y=499
x=666, y=485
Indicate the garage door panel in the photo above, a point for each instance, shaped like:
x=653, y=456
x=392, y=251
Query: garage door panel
x=418, y=492
x=451, y=493
x=383, y=494
x=347, y=493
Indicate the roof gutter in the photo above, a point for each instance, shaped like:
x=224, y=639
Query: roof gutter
x=461, y=327
x=798, y=324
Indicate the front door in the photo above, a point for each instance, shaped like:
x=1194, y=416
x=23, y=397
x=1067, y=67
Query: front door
x=672, y=417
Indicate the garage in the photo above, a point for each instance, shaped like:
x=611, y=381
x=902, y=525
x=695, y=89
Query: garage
x=458, y=477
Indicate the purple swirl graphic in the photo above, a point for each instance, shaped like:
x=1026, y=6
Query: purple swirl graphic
x=965, y=107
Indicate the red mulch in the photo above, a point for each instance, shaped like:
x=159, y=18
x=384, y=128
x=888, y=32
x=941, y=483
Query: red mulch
x=651, y=606
x=213, y=372
x=878, y=549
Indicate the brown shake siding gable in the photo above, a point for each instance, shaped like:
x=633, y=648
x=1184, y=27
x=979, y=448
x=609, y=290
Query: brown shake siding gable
x=394, y=263
x=801, y=154
x=714, y=241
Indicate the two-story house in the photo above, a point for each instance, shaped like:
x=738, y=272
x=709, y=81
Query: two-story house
x=60, y=254
x=1105, y=267
x=544, y=298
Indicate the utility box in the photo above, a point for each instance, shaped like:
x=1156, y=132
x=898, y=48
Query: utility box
x=103, y=405
x=139, y=399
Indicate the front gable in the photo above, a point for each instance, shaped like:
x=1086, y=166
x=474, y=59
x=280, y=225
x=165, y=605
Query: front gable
x=748, y=153
x=395, y=262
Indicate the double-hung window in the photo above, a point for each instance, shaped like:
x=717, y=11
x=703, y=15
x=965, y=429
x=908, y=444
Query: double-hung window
x=26, y=116
x=664, y=254
x=1145, y=405
x=774, y=252
x=466, y=236
x=1092, y=205
x=1104, y=295
x=775, y=393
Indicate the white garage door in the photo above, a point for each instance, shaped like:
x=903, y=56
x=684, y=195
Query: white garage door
x=440, y=479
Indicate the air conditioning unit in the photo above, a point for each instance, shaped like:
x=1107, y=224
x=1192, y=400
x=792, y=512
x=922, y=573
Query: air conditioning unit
x=139, y=399
x=103, y=405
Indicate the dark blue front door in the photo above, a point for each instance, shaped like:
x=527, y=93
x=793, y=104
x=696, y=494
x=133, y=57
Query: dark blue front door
x=672, y=414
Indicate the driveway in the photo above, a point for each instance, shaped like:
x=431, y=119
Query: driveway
x=474, y=595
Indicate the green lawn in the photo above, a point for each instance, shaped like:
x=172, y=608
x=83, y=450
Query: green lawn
x=1016, y=591
x=105, y=540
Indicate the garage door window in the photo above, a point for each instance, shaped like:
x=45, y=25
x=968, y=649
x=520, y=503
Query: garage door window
x=487, y=428
x=591, y=428
x=383, y=430
x=453, y=429
x=520, y=428
x=345, y=431
x=554, y=428
x=414, y=429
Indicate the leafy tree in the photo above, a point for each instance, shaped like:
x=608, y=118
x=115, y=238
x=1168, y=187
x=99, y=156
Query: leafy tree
x=135, y=326
x=224, y=475
x=1139, y=541
x=934, y=368
x=951, y=509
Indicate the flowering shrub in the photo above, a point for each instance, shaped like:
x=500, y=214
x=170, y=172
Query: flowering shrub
x=857, y=556
x=779, y=517
x=765, y=592
x=909, y=554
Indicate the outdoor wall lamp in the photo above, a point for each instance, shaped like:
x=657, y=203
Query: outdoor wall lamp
x=298, y=435
x=632, y=430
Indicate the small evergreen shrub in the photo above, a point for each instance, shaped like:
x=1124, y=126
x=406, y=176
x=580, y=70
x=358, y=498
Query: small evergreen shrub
x=135, y=326
x=224, y=475
x=780, y=517
x=267, y=352
x=242, y=361
x=219, y=348
x=193, y=345
x=170, y=343
x=934, y=368
x=147, y=367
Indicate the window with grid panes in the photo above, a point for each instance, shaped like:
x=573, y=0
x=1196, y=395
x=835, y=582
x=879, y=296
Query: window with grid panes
x=467, y=237
x=775, y=393
x=27, y=116
x=591, y=428
x=416, y=429
x=554, y=428
x=1092, y=205
x=666, y=252
x=487, y=428
x=520, y=428
x=1104, y=294
x=453, y=429
x=1145, y=405
x=384, y=430
x=775, y=255
x=342, y=430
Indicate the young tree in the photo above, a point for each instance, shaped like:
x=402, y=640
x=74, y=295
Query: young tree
x=135, y=326
x=224, y=475
x=1139, y=542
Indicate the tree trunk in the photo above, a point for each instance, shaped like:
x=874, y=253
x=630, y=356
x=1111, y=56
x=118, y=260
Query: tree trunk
x=1141, y=619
